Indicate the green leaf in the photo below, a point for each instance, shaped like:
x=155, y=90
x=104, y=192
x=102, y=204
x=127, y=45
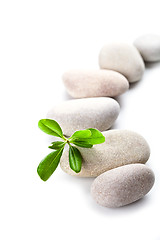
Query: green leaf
x=96, y=137
x=75, y=159
x=50, y=127
x=48, y=165
x=81, y=134
x=82, y=144
x=57, y=145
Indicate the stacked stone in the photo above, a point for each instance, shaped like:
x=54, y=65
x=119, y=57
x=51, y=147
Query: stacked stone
x=118, y=164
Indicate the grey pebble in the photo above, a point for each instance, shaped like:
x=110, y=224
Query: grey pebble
x=123, y=58
x=79, y=114
x=121, y=147
x=149, y=47
x=94, y=83
x=123, y=185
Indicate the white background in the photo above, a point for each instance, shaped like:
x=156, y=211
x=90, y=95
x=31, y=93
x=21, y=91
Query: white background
x=39, y=40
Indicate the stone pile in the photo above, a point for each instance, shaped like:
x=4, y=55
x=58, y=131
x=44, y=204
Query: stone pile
x=118, y=163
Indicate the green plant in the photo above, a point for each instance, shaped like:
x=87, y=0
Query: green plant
x=84, y=139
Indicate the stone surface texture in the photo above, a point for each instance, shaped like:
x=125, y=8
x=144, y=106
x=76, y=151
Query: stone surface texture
x=94, y=83
x=85, y=113
x=120, y=148
x=149, y=47
x=123, y=185
x=123, y=58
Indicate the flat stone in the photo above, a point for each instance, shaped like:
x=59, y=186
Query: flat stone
x=94, y=83
x=123, y=58
x=84, y=113
x=149, y=47
x=120, y=148
x=123, y=185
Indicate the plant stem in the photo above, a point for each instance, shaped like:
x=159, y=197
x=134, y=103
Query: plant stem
x=66, y=140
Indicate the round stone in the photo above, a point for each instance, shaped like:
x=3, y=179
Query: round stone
x=121, y=147
x=149, y=47
x=123, y=58
x=123, y=185
x=94, y=83
x=85, y=113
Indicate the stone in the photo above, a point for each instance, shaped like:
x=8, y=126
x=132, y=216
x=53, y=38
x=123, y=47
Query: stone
x=79, y=114
x=121, y=147
x=94, y=83
x=123, y=185
x=149, y=47
x=123, y=58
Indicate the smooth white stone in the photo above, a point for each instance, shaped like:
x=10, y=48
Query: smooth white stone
x=94, y=83
x=149, y=47
x=85, y=113
x=123, y=58
x=123, y=185
x=121, y=147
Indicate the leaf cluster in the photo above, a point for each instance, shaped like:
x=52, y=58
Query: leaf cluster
x=83, y=138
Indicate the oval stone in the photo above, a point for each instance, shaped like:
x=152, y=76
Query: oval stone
x=123, y=58
x=85, y=113
x=149, y=47
x=94, y=83
x=121, y=147
x=123, y=185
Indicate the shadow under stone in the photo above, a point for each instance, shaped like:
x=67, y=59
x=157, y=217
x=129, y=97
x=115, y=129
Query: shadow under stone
x=150, y=65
